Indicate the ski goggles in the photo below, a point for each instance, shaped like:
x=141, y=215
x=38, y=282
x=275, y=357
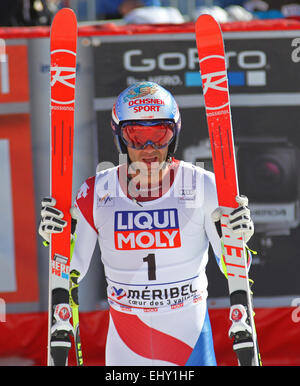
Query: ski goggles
x=139, y=135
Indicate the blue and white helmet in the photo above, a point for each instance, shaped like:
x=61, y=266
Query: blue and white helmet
x=145, y=102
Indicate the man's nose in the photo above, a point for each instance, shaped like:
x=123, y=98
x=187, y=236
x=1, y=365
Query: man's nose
x=149, y=147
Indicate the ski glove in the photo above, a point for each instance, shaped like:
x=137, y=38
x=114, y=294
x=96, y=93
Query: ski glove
x=239, y=219
x=52, y=219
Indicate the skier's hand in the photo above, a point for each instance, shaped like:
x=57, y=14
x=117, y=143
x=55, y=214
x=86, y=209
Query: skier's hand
x=52, y=219
x=239, y=220
x=74, y=217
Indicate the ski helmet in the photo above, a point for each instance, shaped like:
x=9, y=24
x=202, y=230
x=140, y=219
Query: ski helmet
x=145, y=103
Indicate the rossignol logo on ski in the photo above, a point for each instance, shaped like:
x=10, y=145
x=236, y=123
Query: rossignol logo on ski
x=63, y=80
x=215, y=84
x=147, y=229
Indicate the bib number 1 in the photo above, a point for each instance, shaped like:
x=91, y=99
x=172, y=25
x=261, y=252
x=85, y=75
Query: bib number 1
x=150, y=259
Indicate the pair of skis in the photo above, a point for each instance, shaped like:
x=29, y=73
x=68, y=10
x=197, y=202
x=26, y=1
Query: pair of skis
x=217, y=105
x=63, y=48
x=210, y=45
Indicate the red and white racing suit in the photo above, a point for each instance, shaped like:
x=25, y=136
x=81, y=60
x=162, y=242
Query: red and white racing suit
x=154, y=255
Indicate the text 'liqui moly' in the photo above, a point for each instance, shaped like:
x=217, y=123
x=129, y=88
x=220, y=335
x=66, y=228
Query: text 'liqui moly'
x=147, y=229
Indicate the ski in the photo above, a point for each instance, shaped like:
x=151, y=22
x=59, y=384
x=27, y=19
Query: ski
x=63, y=44
x=218, y=114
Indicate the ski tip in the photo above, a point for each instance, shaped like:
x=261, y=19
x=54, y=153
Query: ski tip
x=206, y=22
x=205, y=17
x=65, y=12
x=63, y=27
x=64, y=17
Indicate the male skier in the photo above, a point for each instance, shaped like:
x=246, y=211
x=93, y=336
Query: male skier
x=154, y=219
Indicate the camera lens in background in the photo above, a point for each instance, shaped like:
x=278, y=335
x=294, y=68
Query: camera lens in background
x=268, y=171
